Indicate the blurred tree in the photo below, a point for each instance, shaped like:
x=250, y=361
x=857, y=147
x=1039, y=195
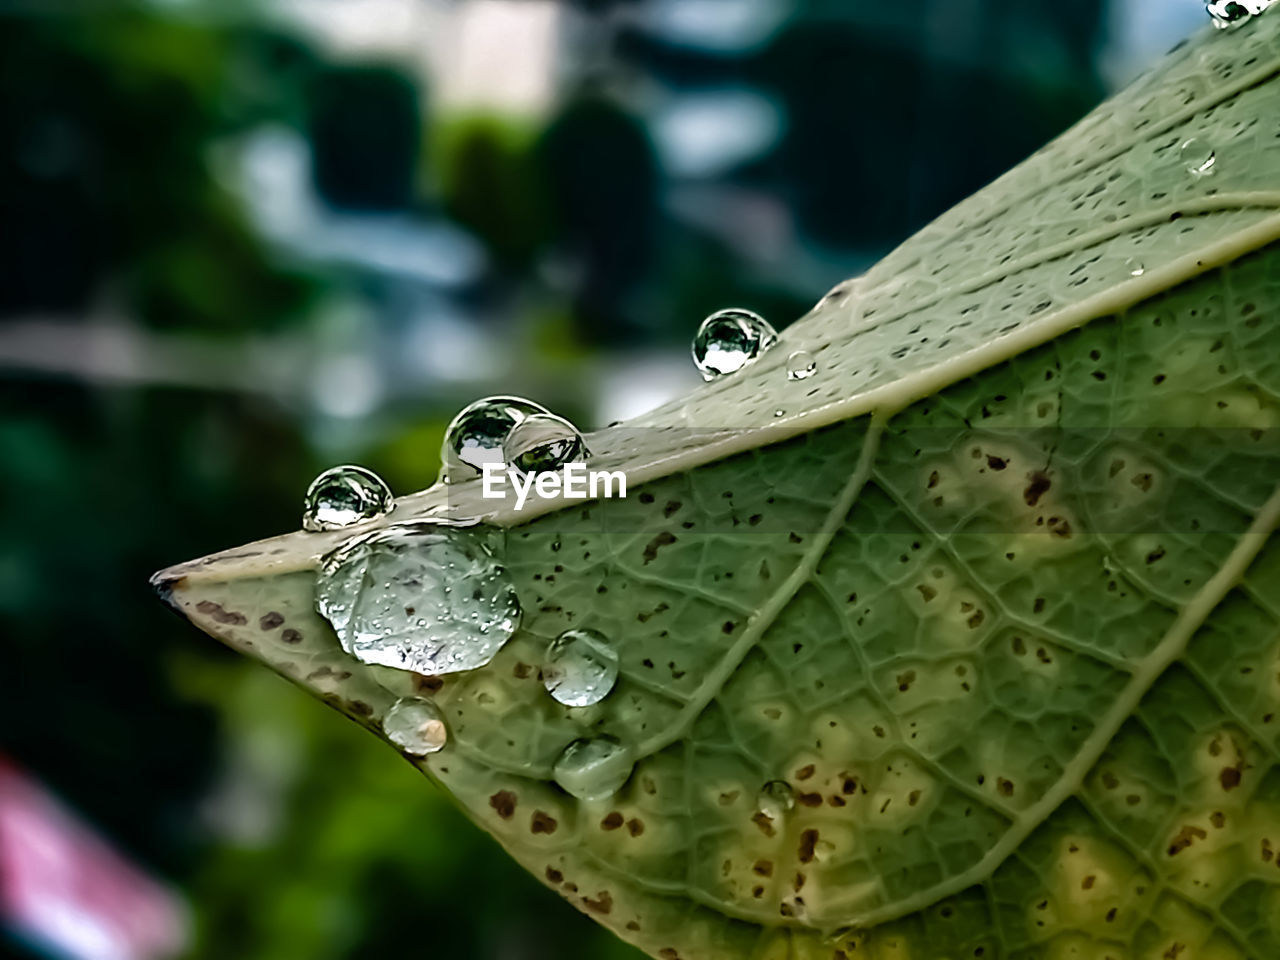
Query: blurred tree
x=365, y=128
x=104, y=134
x=491, y=186
x=602, y=182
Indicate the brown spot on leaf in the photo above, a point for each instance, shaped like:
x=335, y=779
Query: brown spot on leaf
x=504, y=804
x=635, y=827
x=290, y=635
x=805, y=772
x=269, y=621
x=602, y=904
x=1038, y=484
x=808, y=844
x=663, y=539
x=1188, y=835
x=612, y=822
x=220, y=614
x=763, y=868
x=764, y=822
x=542, y=823
x=554, y=875
x=1229, y=778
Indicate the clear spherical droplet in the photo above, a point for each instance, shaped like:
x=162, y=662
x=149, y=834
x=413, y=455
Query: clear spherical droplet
x=1198, y=157
x=776, y=798
x=1230, y=13
x=345, y=495
x=581, y=668
x=593, y=769
x=779, y=412
x=416, y=726
x=427, y=596
x=730, y=339
x=1134, y=267
x=476, y=435
x=801, y=365
x=543, y=442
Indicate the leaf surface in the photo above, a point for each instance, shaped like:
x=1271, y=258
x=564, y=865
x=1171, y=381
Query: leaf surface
x=994, y=591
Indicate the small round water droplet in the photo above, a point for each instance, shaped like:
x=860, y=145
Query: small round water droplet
x=345, y=495
x=476, y=435
x=581, y=668
x=1198, y=157
x=543, y=442
x=1134, y=267
x=801, y=365
x=427, y=596
x=779, y=412
x=776, y=798
x=416, y=726
x=1230, y=13
x=730, y=339
x=593, y=769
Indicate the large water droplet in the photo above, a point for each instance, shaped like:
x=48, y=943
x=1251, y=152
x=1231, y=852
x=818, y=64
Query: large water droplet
x=581, y=668
x=345, y=495
x=427, y=596
x=476, y=435
x=416, y=726
x=1134, y=267
x=730, y=339
x=593, y=769
x=801, y=365
x=1230, y=13
x=1198, y=157
x=543, y=442
x=776, y=799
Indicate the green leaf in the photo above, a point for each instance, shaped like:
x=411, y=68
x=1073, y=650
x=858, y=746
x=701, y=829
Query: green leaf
x=994, y=593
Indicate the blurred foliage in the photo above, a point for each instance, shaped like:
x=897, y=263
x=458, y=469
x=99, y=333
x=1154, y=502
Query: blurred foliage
x=106, y=122
x=364, y=131
x=492, y=186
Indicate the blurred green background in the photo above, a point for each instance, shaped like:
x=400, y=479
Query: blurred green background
x=241, y=241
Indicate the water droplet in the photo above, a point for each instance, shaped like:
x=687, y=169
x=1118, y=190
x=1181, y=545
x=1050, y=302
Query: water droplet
x=416, y=726
x=779, y=412
x=776, y=798
x=476, y=435
x=801, y=365
x=581, y=668
x=593, y=769
x=427, y=596
x=1230, y=13
x=730, y=339
x=345, y=495
x=543, y=442
x=1134, y=267
x=1198, y=157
